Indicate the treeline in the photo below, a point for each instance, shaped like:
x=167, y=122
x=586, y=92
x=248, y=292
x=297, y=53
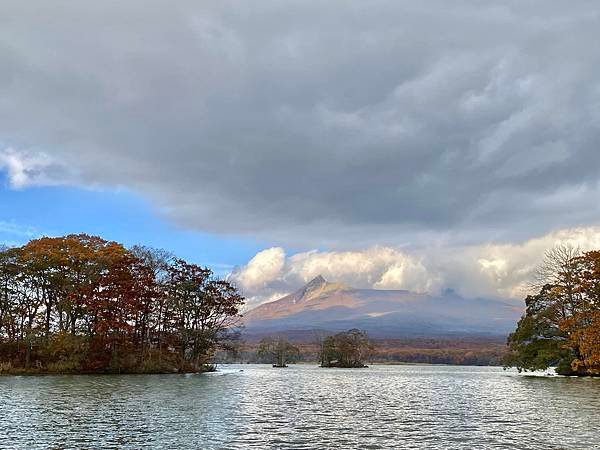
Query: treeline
x=561, y=325
x=467, y=351
x=473, y=350
x=80, y=303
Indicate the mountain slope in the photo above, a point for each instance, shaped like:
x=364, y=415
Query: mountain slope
x=332, y=306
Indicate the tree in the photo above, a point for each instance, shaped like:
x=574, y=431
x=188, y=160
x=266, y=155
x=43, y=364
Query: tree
x=561, y=324
x=560, y=269
x=583, y=326
x=539, y=341
x=158, y=261
x=319, y=342
x=347, y=349
x=82, y=303
x=8, y=271
x=278, y=351
x=201, y=311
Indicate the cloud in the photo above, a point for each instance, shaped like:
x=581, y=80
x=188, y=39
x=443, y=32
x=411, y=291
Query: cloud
x=506, y=270
x=27, y=169
x=272, y=274
x=487, y=270
x=311, y=124
x=264, y=268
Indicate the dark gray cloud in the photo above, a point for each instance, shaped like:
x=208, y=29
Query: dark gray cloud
x=317, y=123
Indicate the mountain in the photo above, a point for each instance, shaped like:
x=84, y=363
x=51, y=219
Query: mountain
x=321, y=305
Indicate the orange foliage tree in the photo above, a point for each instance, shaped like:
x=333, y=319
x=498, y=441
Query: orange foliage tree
x=81, y=303
x=561, y=325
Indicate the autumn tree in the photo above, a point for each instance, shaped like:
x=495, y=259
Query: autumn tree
x=81, y=303
x=159, y=261
x=540, y=339
x=561, y=324
x=560, y=269
x=347, y=349
x=583, y=326
x=200, y=312
x=278, y=351
x=8, y=297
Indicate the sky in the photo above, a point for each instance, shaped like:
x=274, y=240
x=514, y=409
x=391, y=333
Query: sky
x=385, y=144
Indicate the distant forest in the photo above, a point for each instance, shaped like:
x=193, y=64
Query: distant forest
x=83, y=304
x=467, y=350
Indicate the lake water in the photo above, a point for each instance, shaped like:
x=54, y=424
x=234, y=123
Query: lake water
x=408, y=407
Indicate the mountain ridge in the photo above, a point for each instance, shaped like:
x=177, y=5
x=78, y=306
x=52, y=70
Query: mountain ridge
x=321, y=304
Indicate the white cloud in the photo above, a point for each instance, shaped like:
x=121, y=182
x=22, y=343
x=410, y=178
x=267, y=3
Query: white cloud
x=490, y=270
x=366, y=268
x=27, y=169
x=271, y=274
x=261, y=270
x=409, y=274
x=506, y=270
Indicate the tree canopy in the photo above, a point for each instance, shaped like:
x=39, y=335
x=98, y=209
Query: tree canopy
x=561, y=324
x=278, y=351
x=346, y=349
x=80, y=303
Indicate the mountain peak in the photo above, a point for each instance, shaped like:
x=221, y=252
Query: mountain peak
x=314, y=286
x=321, y=304
x=317, y=294
x=316, y=282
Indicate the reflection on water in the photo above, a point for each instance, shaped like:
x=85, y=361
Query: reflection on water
x=303, y=406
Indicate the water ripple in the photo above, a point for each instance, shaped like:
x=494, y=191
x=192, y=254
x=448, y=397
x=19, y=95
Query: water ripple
x=303, y=407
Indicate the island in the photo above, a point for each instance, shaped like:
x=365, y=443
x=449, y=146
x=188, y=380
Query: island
x=348, y=349
x=278, y=351
x=82, y=304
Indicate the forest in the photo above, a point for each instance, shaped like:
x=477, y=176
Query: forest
x=308, y=348
x=81, y=304
x=561, y=324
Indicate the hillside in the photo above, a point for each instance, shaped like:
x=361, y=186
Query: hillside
x=321, y=305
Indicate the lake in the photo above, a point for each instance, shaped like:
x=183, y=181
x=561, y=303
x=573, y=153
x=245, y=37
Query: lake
x=303, y=406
